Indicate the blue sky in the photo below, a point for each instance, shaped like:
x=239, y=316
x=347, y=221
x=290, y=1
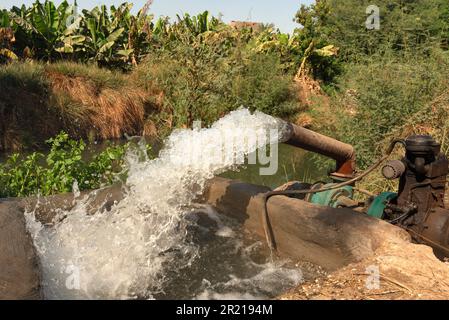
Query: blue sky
x=279, y=12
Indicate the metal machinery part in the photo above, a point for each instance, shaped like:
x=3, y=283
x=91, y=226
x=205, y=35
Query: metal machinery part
x=335, y=198
x=380, y=203
x=393, y=169
x=342, y=153
x=421, y=205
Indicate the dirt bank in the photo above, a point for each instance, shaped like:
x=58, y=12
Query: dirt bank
x=38, y=101
x=406, y=271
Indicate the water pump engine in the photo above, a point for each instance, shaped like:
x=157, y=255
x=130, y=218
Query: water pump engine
x=421, y=204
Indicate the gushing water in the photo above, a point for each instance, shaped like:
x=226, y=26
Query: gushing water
x=124, y=252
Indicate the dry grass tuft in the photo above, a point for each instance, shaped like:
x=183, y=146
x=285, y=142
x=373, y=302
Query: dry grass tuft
x=38, y=101
x=108, y=112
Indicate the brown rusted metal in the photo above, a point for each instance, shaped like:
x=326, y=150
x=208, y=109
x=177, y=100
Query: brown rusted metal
x=342, y=153
x=422, y=186
x=434, y=231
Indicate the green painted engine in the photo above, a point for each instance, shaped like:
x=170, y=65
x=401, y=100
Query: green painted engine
x=344, y=197
x=332, y=198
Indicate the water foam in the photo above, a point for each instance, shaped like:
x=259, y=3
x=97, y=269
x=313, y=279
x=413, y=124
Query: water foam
x=123, y=253
x=272, y=277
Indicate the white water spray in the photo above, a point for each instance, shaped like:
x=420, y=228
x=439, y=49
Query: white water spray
x=123, y=253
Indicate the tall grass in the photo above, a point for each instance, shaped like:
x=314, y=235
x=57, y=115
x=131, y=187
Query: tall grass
x=37, y=101
x=169, y=90
x=382, y=95
x=203, y=83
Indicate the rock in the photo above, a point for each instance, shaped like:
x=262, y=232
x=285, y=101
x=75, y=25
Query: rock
x=19, y=270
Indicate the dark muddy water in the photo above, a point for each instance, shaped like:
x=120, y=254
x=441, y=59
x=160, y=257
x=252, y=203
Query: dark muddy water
x=293, y=165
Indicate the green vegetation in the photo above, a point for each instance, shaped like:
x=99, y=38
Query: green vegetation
x=386, y=93
x=196, y=68
x=115, y=38
x=39, y=100
x=392, y=80
x=206, y=80
x=59, y=169
x=108, y=37
x=405, y=26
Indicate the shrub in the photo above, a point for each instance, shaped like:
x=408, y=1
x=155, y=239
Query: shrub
x=59, y=169
x=263, y=86
x=405, y=25
x=206, y=79
x=378, y=97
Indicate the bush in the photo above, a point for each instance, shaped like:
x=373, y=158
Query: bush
x=206, y=79
x=263, y=86
x=57, y=171
x=405, y=25
x=380, y=96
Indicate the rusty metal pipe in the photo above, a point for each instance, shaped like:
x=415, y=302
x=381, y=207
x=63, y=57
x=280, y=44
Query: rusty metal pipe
x=342, y=153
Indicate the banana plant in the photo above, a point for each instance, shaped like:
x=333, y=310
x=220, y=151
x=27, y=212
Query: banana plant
x=161, y=26
x=45, y=26
x=72, y=39
x=6, y=41
x=105, y=39
x=5, y=21
x=327, y=51
x=203, y=22
x=49, y=22
x=102, y=35
x=6, y=38
x=198, y=24
x=137, y=30
x=140, y=33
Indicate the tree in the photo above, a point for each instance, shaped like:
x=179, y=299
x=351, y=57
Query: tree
x=405, y=25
